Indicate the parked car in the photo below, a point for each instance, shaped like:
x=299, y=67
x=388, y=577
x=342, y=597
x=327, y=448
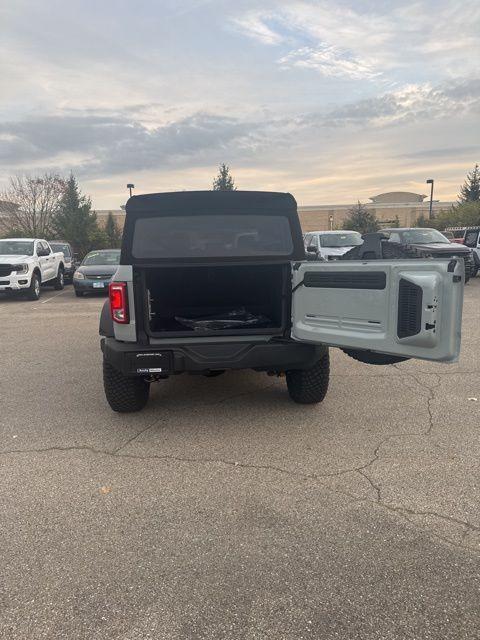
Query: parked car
x=469, y=237
x=70, y=262
x=458, y=234
x=216, y=280
x=28, y=263
x=330, y=245
x=96, y=271
x=413, y=242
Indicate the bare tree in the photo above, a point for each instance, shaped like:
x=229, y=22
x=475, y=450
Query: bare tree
x=29, y=204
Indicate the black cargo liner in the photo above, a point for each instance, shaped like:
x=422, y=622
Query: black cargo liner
x=197, y=291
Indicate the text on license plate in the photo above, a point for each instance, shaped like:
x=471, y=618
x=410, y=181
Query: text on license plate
x=98, y=285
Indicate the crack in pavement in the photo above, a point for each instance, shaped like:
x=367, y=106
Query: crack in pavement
x=115, y=453
x=430, y=398
x=376, y=453
x=413, y=512
x=404, y=512
x=137, y=435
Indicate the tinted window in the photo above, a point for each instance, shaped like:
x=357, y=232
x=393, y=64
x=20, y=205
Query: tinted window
x=341, y=240
x=471, y=238
x=210, y=236
x=420, y=236
x=64, y=248
x=16, y=248
x=42, y=249
x=102, y=258
x=394, y=237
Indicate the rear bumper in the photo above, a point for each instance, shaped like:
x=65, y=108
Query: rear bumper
x=262, y=356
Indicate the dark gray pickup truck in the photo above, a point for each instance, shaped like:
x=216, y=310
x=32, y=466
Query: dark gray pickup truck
x=211, y=280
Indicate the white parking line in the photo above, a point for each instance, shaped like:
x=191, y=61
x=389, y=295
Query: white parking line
x=52, y=297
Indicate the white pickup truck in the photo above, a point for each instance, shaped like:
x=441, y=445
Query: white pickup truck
x=28, y=263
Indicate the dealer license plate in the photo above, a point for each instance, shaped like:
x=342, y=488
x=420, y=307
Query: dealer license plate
x=156, y=362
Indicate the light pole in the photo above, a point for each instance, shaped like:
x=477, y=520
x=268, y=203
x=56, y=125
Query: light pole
x=130, y=186
x=430, y=182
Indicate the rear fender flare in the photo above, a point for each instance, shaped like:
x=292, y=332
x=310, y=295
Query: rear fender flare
x=106, y=323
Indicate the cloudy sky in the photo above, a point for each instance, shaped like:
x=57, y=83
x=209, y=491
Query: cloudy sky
x=333, y=100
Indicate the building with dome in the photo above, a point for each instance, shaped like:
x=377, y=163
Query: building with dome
x=405, y=206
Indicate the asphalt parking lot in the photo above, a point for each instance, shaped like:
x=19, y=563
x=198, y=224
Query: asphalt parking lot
x=224, y=510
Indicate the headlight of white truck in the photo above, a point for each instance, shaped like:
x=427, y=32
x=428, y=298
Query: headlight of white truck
x=20, y=268
x=78, y=275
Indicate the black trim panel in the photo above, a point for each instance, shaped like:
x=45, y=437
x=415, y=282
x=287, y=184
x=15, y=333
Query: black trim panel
x=410, y=300
x=345, y=280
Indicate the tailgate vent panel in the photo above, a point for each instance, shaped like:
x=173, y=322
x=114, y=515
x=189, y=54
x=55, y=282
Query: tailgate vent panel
x=410, y=297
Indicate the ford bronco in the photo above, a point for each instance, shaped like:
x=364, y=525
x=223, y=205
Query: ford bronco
x=211, y=280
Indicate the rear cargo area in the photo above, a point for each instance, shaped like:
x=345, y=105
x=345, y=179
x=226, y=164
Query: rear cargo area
x=217, y=300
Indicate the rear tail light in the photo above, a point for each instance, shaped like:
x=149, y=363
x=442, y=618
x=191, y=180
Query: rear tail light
x=119, y=302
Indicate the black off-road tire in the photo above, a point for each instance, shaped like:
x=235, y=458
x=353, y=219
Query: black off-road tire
x=309, y=386
x=33, y=291
x=59, y=282
x=123, y=394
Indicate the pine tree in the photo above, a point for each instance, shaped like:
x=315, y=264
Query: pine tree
x=112, y=232
x=361, y=219
x=224, y=181
x=422, y=221
x=75, y=221
x=470, y=191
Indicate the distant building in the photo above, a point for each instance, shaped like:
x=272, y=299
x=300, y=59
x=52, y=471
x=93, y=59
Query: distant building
x=387, y=206
x=408, y=207
x=118, y=216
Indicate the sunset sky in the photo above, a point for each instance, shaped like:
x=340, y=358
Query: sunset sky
x=332, y=101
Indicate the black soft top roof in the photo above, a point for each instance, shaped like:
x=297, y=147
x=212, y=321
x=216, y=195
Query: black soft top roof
x=224, y=202
x=213, y=202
